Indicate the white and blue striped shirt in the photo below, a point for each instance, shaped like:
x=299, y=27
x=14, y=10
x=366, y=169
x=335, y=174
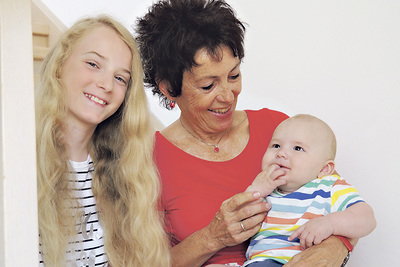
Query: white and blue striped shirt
x=86, y=249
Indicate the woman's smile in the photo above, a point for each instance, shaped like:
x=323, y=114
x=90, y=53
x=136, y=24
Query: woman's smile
x=220, y=111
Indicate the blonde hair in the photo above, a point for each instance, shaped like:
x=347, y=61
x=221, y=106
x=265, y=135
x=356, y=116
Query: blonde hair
x=125, y=182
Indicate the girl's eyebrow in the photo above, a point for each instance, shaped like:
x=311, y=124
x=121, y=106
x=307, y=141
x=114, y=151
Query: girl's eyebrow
x=103, y=57
x=94, y=52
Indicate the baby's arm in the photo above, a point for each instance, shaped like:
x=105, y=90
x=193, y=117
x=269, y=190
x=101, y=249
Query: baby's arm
x=267, y=180
x=354, y=222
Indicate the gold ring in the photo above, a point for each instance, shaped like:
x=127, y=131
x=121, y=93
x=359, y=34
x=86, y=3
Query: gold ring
x=241, y=224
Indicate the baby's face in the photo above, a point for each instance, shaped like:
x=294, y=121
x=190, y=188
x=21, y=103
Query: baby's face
x=300, y=149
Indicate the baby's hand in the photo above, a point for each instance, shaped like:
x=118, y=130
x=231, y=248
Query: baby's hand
x=267, y=180
x=313, y=232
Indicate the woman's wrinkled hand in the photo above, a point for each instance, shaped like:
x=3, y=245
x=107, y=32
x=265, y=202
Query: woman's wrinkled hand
x=330, y=253
x=238, y=219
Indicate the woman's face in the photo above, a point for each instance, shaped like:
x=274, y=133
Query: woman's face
x=210, y=91
x=96, y=77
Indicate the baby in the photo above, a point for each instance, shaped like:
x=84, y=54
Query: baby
x=309, y=204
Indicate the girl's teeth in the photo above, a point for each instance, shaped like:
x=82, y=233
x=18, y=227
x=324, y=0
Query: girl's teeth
x=95, y=99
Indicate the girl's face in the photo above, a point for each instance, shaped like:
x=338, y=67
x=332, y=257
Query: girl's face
x=210, y=91
x=96, y=77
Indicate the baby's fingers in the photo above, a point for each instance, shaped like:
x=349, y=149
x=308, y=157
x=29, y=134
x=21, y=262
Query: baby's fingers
x=309, y=241
x=296, y=233
x=280, y=182
x=276, y=174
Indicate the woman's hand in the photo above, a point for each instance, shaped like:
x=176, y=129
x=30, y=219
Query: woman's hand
x=238, y=219
x=224, y=230
x=330, y=253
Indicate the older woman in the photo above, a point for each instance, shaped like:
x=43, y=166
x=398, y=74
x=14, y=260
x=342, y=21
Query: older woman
x=192, y=52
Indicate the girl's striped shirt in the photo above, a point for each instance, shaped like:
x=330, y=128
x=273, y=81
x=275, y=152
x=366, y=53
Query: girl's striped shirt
x=87, y=247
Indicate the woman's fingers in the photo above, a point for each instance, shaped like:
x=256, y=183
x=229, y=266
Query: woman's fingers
x=226, y=227
x=243, y=205
x=237, y=201
x=244, y=235
x=254, y=221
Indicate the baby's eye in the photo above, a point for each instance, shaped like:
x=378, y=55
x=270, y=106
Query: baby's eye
x=275, y=146
x=298, y=148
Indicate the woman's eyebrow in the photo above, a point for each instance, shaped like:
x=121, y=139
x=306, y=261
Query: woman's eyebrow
x=213, y=76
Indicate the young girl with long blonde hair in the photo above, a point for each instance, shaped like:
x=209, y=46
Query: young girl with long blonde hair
x=97, y=186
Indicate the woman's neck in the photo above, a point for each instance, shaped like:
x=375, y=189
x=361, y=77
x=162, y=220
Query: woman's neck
x=206, y=136
x=232, y=143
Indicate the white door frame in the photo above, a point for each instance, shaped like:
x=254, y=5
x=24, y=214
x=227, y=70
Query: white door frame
x=18, y=197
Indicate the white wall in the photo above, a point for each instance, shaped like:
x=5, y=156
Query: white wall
x=338, y=60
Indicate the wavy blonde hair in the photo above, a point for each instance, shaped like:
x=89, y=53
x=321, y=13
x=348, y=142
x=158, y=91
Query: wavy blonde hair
x=125, y=182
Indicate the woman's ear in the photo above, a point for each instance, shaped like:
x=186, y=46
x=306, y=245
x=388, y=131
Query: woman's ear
x=164, y=86
x=328, y=169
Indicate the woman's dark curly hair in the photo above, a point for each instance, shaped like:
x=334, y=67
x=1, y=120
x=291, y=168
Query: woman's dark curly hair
x=173, y=31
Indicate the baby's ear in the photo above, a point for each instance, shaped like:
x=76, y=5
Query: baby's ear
x=328, y=169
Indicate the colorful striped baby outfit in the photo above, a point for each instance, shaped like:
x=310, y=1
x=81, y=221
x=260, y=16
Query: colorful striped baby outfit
x=316, y=198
